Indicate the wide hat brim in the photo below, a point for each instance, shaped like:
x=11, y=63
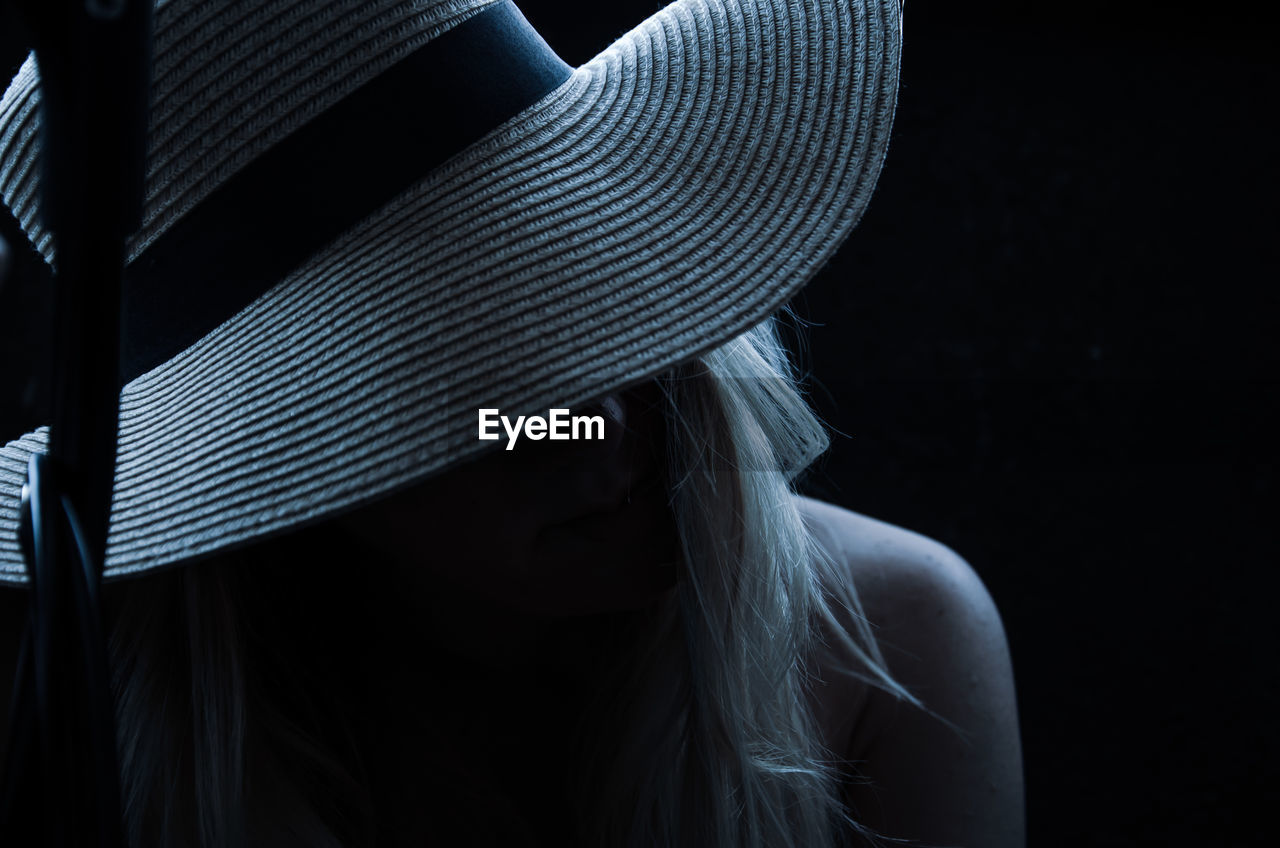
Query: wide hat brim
x=673, y=192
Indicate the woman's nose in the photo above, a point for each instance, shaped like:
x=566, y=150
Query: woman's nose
x=586, y=475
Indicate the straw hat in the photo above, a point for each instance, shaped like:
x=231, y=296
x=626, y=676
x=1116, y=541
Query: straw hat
x=367, y=220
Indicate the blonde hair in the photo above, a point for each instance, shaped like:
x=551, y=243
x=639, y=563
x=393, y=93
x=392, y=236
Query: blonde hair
x=705, y=740
x=720, y=745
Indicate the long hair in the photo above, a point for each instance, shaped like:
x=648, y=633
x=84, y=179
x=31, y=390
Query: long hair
x=705, y=737
x=718, y=744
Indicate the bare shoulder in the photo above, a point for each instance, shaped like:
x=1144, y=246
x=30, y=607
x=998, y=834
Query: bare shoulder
x=897, y=571
x=914, y=590
x=947, y=772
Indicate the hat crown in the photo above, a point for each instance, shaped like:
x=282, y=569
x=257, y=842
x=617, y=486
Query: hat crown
x=229, y=81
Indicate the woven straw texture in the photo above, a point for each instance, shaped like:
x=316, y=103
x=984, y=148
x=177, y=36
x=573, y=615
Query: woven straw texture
x=673, y=192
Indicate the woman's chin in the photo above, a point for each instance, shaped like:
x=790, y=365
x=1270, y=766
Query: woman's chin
x=604, y=589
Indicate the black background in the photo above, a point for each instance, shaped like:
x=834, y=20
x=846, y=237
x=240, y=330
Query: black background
x=1050, y=346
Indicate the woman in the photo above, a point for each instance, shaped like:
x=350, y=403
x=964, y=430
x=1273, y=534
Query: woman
x=384, y=632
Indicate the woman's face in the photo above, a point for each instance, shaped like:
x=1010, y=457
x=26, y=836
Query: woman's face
x=549, y=528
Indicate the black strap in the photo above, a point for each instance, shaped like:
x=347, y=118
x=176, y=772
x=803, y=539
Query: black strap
x=60, y=785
